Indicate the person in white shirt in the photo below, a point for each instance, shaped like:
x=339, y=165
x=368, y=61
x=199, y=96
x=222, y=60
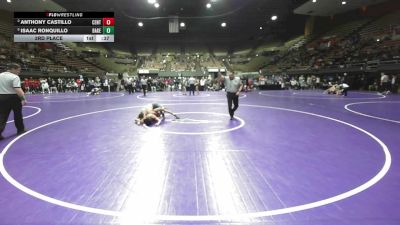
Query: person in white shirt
x=385, y=83
x=191, y=83
x=184, y=84
x=393, y=84
x=202, y=84
x=233, y=87
x=129, y=84
x=12, y=97
x=45, y=86
x=143, y=82
x=343, y=88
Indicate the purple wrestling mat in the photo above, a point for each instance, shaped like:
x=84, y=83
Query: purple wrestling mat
x=288, y=158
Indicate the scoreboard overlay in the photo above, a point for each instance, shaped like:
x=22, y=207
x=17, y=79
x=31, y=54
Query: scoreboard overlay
x=64, y=26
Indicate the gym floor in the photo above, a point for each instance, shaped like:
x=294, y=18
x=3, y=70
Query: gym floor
x=288, y=158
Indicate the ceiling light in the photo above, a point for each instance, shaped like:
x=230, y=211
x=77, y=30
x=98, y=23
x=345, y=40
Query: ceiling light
x=344, y=2
x=151, y=1
x=223, y=24
x=156, y=5
x=274, y=17
x=182, y=24
x=9, y=1
x=261, y=28
x=314, y=1
x=208, y=5
x=140, y=24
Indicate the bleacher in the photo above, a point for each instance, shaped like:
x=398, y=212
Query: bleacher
x=6, y=26
x=329, y=50
x=103, y=59
x=346, y=29
x=381, y=26
x=6, y=29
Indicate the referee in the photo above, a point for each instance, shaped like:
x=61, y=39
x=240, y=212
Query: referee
x=12, y=97
x=233, y=87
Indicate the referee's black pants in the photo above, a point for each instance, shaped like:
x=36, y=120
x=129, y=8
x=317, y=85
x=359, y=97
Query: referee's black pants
x=345, y=91
x=8, y=103
x=232, y=99
x=130, y=88
x=144, y=89
x=191, y=89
